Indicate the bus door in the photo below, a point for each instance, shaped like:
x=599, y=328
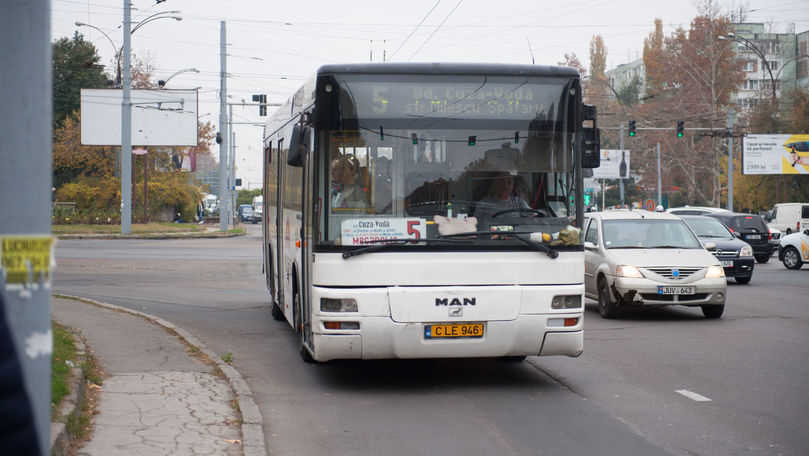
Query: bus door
x=305, y=235
x=279, y=226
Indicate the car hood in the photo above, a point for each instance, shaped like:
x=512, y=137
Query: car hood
x=664, y=257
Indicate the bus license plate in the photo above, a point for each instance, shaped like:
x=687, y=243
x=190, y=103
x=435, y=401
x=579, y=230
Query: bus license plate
x=727, y=263
x=675, y=290
x=453, y=331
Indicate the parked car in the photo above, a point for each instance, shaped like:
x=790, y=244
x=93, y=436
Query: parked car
x=751, y=229
x=695, y=210
x=649, y=259
x=245, y=213
x=735, y=255
x=789, y=217
x=794, y=249
x=775, y=240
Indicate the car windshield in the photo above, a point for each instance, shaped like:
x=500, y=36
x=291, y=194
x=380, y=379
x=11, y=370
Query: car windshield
x=709, y=228
x=648, y=234
x=747, y=223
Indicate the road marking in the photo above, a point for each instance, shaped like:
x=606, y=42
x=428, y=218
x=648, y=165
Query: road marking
x=693, y=396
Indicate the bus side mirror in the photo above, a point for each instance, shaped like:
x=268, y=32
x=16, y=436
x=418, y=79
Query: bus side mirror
x=591, y=147
x=298, y=145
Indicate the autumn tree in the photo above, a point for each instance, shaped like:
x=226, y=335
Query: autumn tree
x=691, y=76
x=75, y=67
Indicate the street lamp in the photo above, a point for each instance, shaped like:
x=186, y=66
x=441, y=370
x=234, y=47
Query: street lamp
x=749, y=44
x=117, y=53
x=162, y=83
x=157, y=16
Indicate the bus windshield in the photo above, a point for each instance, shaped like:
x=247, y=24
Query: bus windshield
x=407, y=156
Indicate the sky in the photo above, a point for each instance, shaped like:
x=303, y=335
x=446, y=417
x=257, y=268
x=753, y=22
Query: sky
x=273, y=46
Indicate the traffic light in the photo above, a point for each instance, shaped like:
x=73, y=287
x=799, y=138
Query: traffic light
x=631, y=128
x=262, y=107
x=680, y=125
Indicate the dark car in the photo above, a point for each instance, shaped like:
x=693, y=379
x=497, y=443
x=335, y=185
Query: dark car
x=735, y=255
x=750, y=228
x=245, y=213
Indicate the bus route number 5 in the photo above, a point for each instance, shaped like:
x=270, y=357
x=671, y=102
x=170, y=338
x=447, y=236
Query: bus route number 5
x=413, y=229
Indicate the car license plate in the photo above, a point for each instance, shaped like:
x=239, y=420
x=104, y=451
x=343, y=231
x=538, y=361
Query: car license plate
x=753, y=236
x=675, y=290
x=453, y=330
x=727, y=264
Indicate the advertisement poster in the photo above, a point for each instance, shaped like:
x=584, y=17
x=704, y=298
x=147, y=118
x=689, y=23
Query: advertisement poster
x=614, y=165
x=775, y=154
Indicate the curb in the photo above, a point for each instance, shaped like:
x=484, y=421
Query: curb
x=189, y=235
x=69, y=406
x=252, y=427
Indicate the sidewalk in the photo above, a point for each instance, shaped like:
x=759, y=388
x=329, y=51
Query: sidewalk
x=158, y=399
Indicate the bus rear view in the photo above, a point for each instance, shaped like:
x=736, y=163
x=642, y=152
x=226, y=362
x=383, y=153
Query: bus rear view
x=428, y=211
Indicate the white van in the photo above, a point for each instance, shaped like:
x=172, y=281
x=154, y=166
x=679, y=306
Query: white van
x=258, y=208
x=790, y=217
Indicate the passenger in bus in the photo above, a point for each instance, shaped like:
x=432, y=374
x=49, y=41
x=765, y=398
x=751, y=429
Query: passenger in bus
x=345, y=192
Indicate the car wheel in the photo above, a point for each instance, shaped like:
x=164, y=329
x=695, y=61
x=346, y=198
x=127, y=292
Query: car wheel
x=743, y=280
x=606, y=306
x=762, y=258
x=713, y=311
x=789, y=230
x=792, y=259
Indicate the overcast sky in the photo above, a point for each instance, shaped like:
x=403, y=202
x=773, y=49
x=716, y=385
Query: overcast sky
x=273, y=46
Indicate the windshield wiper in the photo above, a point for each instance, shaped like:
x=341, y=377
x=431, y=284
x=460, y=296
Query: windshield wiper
x=387, y=243
x=515, y=234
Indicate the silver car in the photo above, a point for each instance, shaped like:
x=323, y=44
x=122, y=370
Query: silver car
x=649, y=259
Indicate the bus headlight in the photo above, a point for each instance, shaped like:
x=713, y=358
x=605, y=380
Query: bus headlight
x=566, y=302
x=338, y=305
x=714, y=272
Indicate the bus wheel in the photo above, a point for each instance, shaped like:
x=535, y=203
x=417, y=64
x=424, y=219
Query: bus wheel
x=276, y=312
x=305, y=355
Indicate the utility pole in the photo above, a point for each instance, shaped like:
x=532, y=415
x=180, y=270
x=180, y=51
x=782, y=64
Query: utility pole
x=126, y=127
x=223, y=135
x=659, y=180
x=620, y=178
x=25, y=227
x=730, y=160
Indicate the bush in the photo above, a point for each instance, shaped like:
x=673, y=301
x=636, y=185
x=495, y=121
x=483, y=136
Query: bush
x=98, y=200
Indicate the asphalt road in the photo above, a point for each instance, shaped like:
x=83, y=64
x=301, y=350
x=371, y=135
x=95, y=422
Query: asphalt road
x=741, y=379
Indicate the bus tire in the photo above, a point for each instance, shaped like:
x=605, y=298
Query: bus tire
x=276, y=312
x=304, y=352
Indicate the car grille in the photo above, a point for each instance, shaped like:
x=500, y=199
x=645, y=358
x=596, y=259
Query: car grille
x=667, y=272
x=670, y=298
x=725, y=253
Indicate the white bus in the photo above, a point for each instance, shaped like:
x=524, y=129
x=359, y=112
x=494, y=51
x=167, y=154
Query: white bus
x=429, y=211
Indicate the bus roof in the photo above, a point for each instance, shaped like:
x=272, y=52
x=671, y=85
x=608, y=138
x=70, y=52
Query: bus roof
x=449, y=68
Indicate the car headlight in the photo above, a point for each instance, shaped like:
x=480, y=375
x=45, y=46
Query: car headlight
x=746, y=251
x=715, y=272
x=626, y=270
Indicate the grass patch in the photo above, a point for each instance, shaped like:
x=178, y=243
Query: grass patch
x=64, y=350
x=137, y=228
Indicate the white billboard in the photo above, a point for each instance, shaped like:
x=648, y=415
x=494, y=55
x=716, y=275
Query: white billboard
x=159, y=117
x=614, y=165
x=775, y=154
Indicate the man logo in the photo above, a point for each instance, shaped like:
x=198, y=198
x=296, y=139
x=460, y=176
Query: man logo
x=455, y=302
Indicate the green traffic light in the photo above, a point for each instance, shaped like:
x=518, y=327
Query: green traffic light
x=631, y=133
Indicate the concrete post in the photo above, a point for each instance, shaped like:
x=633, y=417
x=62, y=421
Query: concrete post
x=620, y=179
x=25, y=196
x=659, y=180
x=126, y=126
x=730, y=160
x=224, y=201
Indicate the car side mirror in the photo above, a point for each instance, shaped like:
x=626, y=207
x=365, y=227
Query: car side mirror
x=590, y=246
x=806, y=232
x=298, y=145
x=737, y=234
